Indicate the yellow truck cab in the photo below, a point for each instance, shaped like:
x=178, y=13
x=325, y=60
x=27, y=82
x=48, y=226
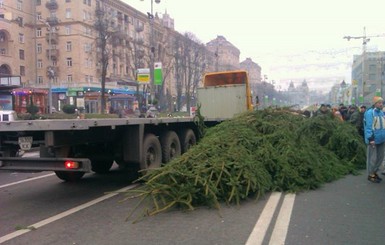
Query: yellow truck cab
x=224, y=94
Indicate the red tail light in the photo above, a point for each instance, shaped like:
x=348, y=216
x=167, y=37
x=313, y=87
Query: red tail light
x=71, y=165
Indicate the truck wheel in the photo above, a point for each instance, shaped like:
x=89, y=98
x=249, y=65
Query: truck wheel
x=101, y=167
x=187, y=139
x=152, y=152
x=69, y=176
x=170, y=146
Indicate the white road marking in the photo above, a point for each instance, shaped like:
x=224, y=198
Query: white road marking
x=26, y=180
x=278, y=236
x=258, y=234
x=64, y=214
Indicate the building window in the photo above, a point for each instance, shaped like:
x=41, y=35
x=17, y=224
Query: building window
x=38, y=16
x=68, y=13
x=38, y=32
x=87, y=31
x=87, y=47
x=89, y=63
x=39, y=64
x=21, y=38
x=372, y=67
x=40, y=80
x=20, y=21
x=372, y=77
x=68, y=30
x=39, y=48
x=38, y=2
x=19, y=5
x=88, y=2
x=69, y=46
x=1, y=4
x=68, y=1
x=22, y=70
x=21, y=54
x=69, y=78
x=69, y=62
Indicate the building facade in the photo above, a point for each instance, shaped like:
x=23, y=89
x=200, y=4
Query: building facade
x=254, y=71
x=226, y=55
x=53, y=45
x=368, y=76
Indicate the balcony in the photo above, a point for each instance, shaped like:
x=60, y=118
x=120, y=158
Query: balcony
x=54, y=38
x=52, y=71
x=52, y=5
x=54, y=54
x=52, y=21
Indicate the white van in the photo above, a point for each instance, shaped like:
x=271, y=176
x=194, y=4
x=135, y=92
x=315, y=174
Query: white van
x=7, y=115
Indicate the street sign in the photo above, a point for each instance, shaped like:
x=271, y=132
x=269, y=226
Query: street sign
x=143, y=76
x=158, y=76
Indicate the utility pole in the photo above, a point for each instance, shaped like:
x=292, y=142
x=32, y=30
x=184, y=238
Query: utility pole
x=151, y=18
x=51, y=72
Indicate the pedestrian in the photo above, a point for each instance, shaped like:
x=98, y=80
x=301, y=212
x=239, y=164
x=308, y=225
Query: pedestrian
x=323, y=110
x=343, y=110
x=374, y=126
x=353, y=115
x=360, y=121
x=351, y=110
x=337, y=114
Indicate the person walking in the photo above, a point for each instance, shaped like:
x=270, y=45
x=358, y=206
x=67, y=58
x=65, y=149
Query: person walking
x=360, y=121
x=374, y=126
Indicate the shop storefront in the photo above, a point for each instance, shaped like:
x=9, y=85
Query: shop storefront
x=25, y=97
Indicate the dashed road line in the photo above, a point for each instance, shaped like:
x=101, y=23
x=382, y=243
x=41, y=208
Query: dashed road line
x=63, y=214
x=26, y=180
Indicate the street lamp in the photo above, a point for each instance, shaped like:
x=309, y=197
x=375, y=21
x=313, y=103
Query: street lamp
x=152, y=48
x=50, y=71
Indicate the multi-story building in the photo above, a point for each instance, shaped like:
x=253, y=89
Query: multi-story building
x=368, y=76
x=54, y=46
x=254, y=71
x=299, y=95
x=226, y=55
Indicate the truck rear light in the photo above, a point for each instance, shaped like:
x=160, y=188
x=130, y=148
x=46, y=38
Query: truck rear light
x=71, y=165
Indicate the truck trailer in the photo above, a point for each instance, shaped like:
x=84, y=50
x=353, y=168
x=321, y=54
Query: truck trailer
x=73, y=147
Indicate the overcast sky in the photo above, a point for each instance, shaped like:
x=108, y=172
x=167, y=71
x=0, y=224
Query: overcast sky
x=279, y=35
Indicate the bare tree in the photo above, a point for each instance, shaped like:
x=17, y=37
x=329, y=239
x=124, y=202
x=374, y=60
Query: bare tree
x=107, y=38
x=190, y=64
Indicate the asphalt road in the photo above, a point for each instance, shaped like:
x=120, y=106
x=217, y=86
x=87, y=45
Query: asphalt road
x=348, y=211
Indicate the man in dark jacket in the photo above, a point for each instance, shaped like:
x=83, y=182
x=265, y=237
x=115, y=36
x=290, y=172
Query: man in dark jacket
x=360, y=121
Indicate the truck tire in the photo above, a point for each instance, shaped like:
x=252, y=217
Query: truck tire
x=69, y=176
x=187, y=139
x=152, y=152
x=170, y=146
x=101, y=167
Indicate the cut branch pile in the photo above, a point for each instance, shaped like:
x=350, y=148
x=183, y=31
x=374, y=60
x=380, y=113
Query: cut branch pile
x=254, y=153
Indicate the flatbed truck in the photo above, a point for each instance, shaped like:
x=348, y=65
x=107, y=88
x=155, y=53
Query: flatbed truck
x=73, y=147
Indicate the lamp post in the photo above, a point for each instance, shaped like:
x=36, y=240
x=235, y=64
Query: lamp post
x=50, y=71
x=152, y=48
